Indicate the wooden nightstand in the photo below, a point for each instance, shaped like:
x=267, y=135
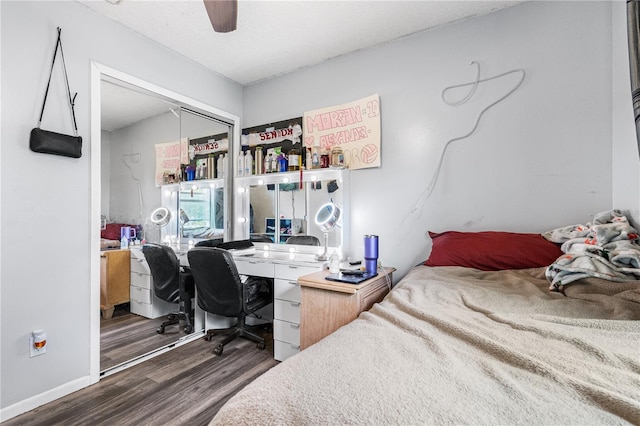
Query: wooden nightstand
x=328, y=305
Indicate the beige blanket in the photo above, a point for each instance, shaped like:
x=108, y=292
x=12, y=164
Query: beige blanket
x=453, y=345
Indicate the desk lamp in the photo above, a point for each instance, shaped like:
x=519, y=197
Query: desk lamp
x=327, y=219
x=161, y=216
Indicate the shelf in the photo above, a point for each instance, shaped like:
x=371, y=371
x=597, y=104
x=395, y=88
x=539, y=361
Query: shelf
x=291, y=177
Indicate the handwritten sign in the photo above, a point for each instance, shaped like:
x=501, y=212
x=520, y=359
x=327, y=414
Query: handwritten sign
x=169, y=156
x=354, y=127
x=292, y=133
x=210, y=147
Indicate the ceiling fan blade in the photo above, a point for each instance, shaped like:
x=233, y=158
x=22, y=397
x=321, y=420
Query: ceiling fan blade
x=223, y=14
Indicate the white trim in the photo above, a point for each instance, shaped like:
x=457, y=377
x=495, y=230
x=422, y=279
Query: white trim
x=182, y=341
x=43, y=398
x=98, y=71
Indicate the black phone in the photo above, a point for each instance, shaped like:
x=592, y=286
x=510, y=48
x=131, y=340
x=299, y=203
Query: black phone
x=352, y=272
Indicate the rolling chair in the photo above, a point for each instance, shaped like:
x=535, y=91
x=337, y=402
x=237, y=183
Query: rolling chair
x=222, y=292
x=214, y=242
x=172, y=283
x=304, y=240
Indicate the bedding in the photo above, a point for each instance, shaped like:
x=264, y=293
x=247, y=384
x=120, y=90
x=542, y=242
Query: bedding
x=608, y=247
x=456, y=345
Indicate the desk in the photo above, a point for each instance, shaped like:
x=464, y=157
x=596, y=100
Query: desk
x=285, y=269
x=328, y=305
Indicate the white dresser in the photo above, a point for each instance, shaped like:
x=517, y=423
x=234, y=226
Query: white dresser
x=142, y=300
x=286, y=297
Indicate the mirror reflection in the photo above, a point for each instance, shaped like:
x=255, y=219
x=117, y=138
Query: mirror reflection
x=201, y=213
x=283, y=213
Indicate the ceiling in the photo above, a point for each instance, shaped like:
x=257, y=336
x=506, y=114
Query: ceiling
x=277, y=37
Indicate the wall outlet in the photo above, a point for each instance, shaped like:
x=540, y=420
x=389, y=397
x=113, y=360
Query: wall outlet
x=37, y=343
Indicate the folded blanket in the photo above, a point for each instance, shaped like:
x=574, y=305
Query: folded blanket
x=608, y=248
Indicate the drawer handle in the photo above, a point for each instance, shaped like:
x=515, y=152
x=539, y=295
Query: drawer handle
x=295, y=346
x=293, y=267
x=294, y=325
x=293, y=282
x=295, y=303
x=140, y=260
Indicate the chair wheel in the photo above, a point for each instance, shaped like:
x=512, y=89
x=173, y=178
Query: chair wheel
x=261, y=345
x=160, y=330
x=218, y=350
x=171, y=317
x=207, y=337
x=188, y=329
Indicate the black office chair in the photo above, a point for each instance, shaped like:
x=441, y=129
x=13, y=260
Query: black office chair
x=304, y=240
x=221, y=291
x=214, y=242
x=257, y=238
x=172, y=283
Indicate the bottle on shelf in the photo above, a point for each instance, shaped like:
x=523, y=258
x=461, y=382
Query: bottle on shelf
x=259, y=161
x=293, y=160
x=240, y=163
x=324, y=159
x=315, y=160
x=282, y=163
x=337, y=158
x=248, y=163
x=219, y=168
x=267, y=163
x=307, y=159
x=211, y=167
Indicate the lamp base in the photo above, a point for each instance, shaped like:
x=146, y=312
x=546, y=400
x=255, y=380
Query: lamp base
x=322, y=257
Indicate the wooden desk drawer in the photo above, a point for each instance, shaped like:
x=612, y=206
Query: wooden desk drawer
x=141, y=280
x=292, y=272
x=284, y=350
x=139, y=294
x=286, y=290
x=286, y=310
x=255, y=268
x=286, y=332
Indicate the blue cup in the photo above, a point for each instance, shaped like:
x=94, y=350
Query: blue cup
x=371, y=254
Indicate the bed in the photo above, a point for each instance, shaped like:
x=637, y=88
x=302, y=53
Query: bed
x=461, y=344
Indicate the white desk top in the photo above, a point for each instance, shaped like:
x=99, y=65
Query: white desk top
x=271, y=256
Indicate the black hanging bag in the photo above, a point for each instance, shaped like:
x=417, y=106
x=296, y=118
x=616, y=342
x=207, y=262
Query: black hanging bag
x=48, y=142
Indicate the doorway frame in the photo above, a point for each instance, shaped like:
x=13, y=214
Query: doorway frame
x=98, y=71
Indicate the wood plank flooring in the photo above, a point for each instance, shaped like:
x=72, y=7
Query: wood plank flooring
x=185, y=386
x=126, y=336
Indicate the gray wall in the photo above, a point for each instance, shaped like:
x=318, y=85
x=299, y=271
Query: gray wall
x=559, y=149
x=46, y=199
x=540, y=159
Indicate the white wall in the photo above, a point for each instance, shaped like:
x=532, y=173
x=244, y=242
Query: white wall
x=539, y=160
x=626, y=161
x=46, y=199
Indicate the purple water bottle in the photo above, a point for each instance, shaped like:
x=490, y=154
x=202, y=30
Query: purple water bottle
x=371, y=254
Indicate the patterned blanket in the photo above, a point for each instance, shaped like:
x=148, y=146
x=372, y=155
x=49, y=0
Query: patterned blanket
x=607, y=248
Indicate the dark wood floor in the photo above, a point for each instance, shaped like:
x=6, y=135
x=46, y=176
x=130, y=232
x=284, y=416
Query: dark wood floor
x=185, y=386
x=125, y=336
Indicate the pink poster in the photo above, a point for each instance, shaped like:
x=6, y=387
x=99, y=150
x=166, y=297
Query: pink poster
x=354, y=127
x=169, y=156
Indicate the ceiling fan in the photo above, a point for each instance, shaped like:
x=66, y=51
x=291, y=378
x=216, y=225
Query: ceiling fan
x=223, y=14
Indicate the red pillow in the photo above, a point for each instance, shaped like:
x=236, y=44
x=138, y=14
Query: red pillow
x=491, y=250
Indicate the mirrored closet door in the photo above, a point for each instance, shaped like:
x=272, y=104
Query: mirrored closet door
x=150, y=144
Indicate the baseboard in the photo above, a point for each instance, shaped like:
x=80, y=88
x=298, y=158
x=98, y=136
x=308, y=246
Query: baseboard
x=43, y=398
